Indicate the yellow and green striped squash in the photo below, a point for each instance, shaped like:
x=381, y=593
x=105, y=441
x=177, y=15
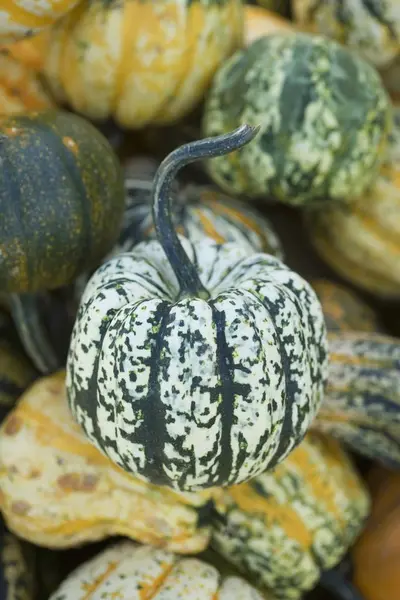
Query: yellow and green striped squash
x=141, y=61
x=284, y=527
x=59, y=491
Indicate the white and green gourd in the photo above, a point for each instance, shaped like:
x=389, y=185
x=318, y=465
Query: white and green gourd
x=193, y=365
x=324, y=117
x=371, y=28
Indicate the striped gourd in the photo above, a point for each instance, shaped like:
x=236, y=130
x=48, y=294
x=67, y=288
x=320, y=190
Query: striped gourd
x=30, y=52
x=17, y=568
x=59, y=491
x=370, y=28
x=343, y=309
x=283, y=528
x=196, y=364
x=126, y=571
x=141, y=61
x=324, y=116
x=362, y=241
x=362, y=400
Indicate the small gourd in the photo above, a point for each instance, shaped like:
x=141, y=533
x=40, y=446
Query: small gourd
x=343, y=309
x=361, y=242
x=370, y=28
x=286, y=527
x=324, y=118
x=30, y=52
x=260, y=22
x=193, y=365
x=167, y=54
x=376, y=555
x=21, y=90
x=361, y=407
x=17, y=568
x=61, y=201
x=23, y=18
x=128, y=571
x=16, y=372
x=59, y=491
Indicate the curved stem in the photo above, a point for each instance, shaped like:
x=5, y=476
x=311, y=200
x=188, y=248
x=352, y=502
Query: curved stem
x=335, y=582
x=26, y=315
x=185, y=271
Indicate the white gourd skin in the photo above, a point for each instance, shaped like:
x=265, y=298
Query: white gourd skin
x=193, y=365
x=130, y=572
x=23, y=17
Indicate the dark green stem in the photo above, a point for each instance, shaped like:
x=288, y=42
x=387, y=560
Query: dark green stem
x=335, y=582
x=27, y=318
x=184, y=269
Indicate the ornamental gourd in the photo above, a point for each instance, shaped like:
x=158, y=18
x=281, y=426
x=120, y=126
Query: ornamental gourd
x=61, y=201
x=21, y=90
x=22, y=18
x=194, y=365
x=324, y=118
x=361, y=242
x=128, y=571
x=376, y=555
x=59, y=491
x=361, y=406
x=30, y=51
x=260, y=22
x=287, y=527
x=370, y=28
x=167, y=54
x=343, y=309
x=17, y=568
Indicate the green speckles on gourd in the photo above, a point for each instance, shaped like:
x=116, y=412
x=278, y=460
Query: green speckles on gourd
x=324, y=119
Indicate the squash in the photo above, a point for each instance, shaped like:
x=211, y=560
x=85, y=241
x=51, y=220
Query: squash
x=343, y=309
x=260, y=22
x=361, y=242
x=370, y=28
x=16, y=372
x=376, y=554
x=128, y=571
x=166, y=56
x=62, y=201
x=59, y=491
x=362, y=401
x=324, y=118
x=30, y=52
x=193, y=365
x=24, y=18
x=17, y=568
x=21, y=90
x=284, y=527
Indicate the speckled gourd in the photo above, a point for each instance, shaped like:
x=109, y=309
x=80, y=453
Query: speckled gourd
x=17, y=568
x=59, y=491
x=362, y=241
x=130, y=572
x=284, y=527
x=193, y=365
x=141, y=62
x=324, y=118
x=370, y=28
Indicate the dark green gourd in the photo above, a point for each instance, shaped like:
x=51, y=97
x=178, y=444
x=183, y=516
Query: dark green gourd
x=61, y=201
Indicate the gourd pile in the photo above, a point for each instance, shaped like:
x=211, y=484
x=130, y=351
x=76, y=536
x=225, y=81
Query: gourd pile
x=200, y=286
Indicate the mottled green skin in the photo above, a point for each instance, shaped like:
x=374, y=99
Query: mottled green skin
x=61, y=200
x=324, y=118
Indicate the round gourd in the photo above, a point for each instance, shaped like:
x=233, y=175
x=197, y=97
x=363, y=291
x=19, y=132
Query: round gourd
x=361, y=406
x=166, y=55
x=194, y=365
x=61, y=201
x=30, y=51
x=324, y=118
x=376, y=555
x=284, y=528
x=128, y=571
x=21, y=90
x=260, y=22
x=362, y=241
x=17, y=568
x=59, y=491
x=370, y=28
x=343, y=309
x=22, y=18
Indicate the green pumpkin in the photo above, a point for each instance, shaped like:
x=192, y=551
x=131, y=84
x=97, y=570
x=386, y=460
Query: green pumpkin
x=324, y=117
x=370, y=28
x=61, y=201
